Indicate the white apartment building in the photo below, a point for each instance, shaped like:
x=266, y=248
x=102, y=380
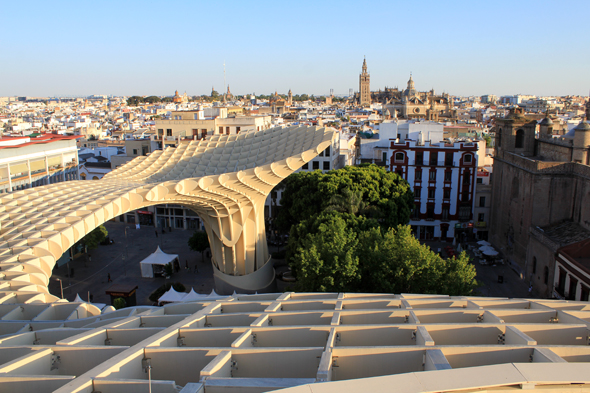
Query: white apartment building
x=441, y=174
x=31, y=161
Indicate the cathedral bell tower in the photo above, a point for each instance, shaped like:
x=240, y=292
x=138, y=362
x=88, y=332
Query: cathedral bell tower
x=364, y=86
x=515, y=134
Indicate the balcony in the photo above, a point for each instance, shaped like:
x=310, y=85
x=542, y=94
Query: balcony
x=433, y=163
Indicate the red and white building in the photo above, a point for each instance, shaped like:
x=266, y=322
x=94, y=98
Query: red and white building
x=441, y=174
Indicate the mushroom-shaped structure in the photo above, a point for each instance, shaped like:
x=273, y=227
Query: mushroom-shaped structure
x=224, y=178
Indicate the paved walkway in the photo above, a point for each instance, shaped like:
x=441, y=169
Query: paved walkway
x=487, y=275
x=123, y=265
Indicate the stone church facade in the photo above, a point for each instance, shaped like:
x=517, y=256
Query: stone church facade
x=540, y=199
x=406, y=104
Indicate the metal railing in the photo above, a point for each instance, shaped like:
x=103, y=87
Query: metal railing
x=433, y=163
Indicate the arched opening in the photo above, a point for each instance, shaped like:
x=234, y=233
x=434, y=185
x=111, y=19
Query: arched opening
x=546, y=275
x=82, y=176
x=519, y=141
x=399, y=157
x=94, y=177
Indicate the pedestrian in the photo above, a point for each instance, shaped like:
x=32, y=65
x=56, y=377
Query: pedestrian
x=156, y=231
x=186, y=265
x=196, y=268
x=109, y=277
x=89, y=258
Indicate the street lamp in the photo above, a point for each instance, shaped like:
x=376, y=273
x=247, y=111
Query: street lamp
x=61, y=287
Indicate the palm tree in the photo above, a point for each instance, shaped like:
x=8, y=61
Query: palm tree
x=347, y=202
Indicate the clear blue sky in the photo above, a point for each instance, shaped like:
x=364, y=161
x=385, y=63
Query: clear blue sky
x=130, y=47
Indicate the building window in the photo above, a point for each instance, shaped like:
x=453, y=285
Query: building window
x=561, y=280
x=447, y=193
x=327, y=152
x=431, y=193
x=467, y=177
x=326, y=165
x=416, y=211
x=384, y=156
x=227, y=130
x=169, y=132
x=448, y=175
x=464, y=213
x=433, y=157
x=305, y=166
x=399, y=157
x=432, y=175
x=238, y=130
x=481, y=217
x=573, y=288
x=430, y=212
x=465, y=196
x=417, y=192
x=316, y=165
x=482, y=202
x=546, y=276
x=534, y=265
x=134, y=152
x=419, y=158
x=479, y=180
x=467, y=158
x=519, y=141
x=445, y=212
x=418, y=174
x=220, y=130
x=448, y=159
x=160, y=131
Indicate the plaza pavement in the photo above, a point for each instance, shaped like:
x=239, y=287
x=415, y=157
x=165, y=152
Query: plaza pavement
x=123, y=265
x=487, y=275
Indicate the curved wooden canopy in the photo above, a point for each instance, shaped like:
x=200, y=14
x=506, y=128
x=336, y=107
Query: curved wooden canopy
x=224, y=178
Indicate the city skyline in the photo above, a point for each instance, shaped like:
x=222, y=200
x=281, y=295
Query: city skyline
x=72, y=49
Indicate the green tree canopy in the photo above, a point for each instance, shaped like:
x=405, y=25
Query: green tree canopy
x=199, y=242
x=366, y=190
x=95, y=237
x=323, y=251
x=337, y=252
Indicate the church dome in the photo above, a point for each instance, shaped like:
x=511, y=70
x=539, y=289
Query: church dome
x=583, y=126
x=546, y=122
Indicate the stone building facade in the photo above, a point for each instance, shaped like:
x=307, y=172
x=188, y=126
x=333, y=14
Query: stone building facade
x=538, y=187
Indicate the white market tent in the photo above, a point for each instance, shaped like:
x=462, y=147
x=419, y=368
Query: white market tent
x=171, y=296
x=159, y=257
x=192, y=296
